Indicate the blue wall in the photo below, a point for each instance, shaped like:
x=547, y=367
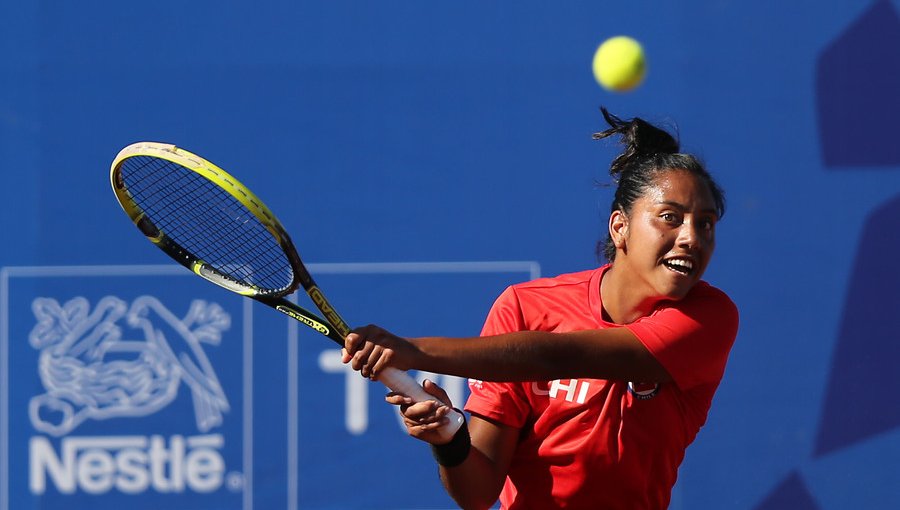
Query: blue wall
x=459, y=136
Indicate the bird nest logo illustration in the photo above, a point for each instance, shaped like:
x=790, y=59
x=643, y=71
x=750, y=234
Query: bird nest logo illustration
x=123, y=360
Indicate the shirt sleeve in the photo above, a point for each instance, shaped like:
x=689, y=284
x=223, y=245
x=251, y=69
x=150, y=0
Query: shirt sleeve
x=691, y=338
x=502, y=402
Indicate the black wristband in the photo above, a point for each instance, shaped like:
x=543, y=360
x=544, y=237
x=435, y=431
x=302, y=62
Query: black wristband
x=456, y=451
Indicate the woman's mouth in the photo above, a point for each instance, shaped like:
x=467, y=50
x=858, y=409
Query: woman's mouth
x=681, y=265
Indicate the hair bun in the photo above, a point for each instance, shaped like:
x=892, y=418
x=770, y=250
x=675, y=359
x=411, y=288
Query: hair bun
x=641, y=140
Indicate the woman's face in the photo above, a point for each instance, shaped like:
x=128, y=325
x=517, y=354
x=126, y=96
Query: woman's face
x=669, y=235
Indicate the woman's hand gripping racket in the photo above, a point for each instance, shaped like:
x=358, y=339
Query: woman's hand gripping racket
x=213, y=225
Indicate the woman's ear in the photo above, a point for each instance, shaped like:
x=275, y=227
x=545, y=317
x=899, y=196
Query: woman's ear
x=618, y=228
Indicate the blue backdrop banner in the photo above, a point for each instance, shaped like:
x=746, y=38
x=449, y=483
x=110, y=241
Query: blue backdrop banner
x=423, y=157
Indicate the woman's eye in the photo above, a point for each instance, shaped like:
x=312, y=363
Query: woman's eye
x=668, y=217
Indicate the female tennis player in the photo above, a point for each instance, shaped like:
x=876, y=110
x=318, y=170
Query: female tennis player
x=586, y=388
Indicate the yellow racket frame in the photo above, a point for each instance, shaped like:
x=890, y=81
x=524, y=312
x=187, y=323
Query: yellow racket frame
x=195, y=163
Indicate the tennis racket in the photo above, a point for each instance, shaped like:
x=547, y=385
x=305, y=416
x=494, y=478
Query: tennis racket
x=213, y=225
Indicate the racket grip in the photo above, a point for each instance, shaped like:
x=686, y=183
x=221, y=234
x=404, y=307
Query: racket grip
x=402, y=382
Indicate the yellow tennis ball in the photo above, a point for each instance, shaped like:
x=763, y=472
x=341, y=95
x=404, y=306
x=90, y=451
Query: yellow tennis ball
x=619, y=64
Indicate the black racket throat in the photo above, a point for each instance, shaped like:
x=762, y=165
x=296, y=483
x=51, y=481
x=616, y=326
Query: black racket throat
x=299, y=314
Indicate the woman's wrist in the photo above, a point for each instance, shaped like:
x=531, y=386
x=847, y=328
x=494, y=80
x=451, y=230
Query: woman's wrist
x=456, y=451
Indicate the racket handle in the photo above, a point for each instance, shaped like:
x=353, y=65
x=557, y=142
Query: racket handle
x=401, y=382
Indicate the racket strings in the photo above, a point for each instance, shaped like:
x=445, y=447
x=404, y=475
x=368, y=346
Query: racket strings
x=207, y=221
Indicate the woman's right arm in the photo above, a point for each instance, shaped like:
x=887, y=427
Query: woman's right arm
x=477, y=481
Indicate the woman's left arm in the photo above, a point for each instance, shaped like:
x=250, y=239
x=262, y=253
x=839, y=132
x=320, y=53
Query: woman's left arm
x=613, y=353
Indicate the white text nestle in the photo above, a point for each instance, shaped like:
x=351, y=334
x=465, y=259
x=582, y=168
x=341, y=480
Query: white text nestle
x=128, y=464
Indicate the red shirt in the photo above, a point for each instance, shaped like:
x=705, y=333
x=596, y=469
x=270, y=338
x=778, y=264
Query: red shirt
x=603, y=444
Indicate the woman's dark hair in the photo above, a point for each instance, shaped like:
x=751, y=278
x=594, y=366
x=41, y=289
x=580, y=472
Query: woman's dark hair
x=648, y=151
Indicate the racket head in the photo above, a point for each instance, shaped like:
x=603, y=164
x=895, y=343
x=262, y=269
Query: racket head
x=205, y=219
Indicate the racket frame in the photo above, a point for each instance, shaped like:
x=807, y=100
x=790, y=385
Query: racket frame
x=246, y=197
